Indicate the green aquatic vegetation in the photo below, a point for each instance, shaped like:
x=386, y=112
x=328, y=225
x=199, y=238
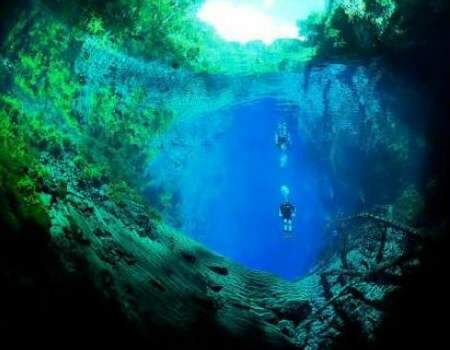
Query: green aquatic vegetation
x=51, y=34
x=94, y=174
x=112, y=135
x=119, y=130
x=120, y=191
x=37, y=132
x=95, y=26
x=42, y=68
x=123, y=194
x=62, y=88
x=52, y=81
x=91, y=173
x=20, y=176
x=29, y=70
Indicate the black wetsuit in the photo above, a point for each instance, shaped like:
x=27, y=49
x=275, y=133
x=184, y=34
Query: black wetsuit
x=287, y=211
x=282, y=140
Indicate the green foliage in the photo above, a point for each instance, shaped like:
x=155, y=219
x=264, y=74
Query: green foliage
x=94, y=174
x=120, y=192
x=112, y=137
x=43, y=72
x=352, y=27
x=51, y=80
x=20, y=175
x=95, y=26
x=38, y=133
x=118, y=131
x=312, y=27
x=361, y=27
x=169, y=31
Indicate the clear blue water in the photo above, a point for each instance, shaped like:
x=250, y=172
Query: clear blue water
x=227, y=179
x=223, y=169
x=243, y=220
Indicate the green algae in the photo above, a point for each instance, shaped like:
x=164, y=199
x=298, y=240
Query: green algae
x=42, y=98
x=20, y=176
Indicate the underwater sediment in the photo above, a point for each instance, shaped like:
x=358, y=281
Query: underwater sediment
x=92, y=93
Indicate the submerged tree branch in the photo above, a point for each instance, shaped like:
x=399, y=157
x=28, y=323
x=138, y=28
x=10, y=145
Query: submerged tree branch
x=359, y=277
x=410, y=231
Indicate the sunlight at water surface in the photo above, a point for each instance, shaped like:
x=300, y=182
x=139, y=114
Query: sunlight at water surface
x=250, y=20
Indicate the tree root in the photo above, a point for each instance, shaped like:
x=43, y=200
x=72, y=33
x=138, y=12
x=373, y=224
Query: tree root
x=410, y=231
x=359, y=277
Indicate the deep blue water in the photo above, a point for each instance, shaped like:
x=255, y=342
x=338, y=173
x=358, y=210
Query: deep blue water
x=221, y=172
x=251, y=195
x=232, y=193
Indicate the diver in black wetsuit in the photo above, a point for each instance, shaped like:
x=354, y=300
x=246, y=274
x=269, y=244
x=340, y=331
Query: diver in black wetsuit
x=287, y=212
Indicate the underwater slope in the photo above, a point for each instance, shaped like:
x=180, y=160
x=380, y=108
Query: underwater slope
x=160, y=280
x=84, y=255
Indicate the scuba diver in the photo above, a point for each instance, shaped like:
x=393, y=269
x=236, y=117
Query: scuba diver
x=282, y=137
x=287, y=211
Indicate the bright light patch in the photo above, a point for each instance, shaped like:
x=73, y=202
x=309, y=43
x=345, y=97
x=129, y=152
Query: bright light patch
x=252, y=20
x=244, y=23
